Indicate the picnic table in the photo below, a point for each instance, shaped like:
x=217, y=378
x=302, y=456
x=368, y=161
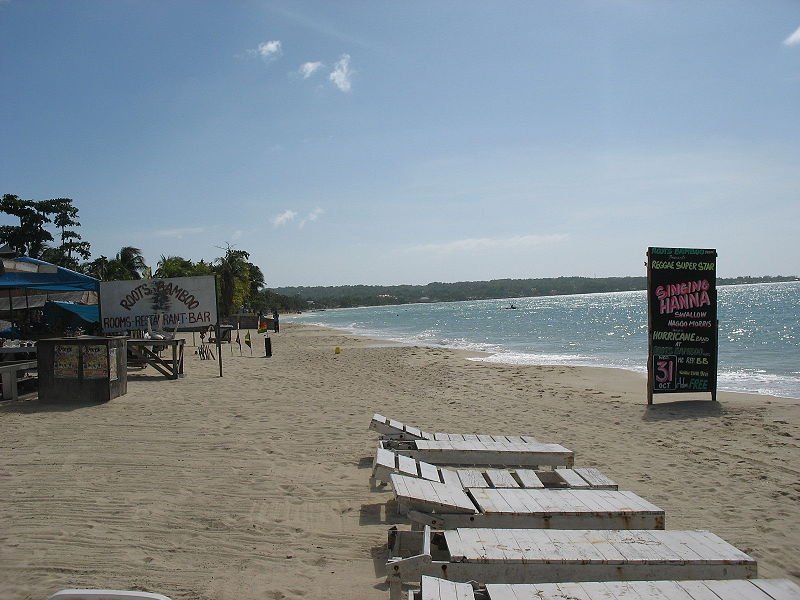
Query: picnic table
x=149, y=352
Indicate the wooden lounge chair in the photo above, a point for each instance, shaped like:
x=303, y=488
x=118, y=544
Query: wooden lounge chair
x=448, y=506
x=389, y=429
x=549, y=555
x=515, y=450
x=433, y=588
x=86, y=594
x=387, y=463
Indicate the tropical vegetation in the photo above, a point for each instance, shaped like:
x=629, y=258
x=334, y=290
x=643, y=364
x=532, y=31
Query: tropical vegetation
x=241, y=284
x=47, y=230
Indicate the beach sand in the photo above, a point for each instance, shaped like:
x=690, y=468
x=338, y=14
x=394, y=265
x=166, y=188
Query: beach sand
x=255, y=485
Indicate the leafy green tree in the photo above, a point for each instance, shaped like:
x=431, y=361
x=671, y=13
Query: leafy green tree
x=177, y=266
x=65, y=215
x=29, y=237
x=98, y=268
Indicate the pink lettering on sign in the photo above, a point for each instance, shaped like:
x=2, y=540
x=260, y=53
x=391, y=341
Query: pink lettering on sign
x=678, y=296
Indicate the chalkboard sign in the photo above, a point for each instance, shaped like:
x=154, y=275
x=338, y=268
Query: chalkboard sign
x=682, y=321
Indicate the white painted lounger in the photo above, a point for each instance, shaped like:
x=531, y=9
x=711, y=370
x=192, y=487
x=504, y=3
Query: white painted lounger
x=447, y=506
x=525, y=452
x=389, y=429
x=549, y=556
x=87, y=594
x=387, y=463
x=433, y=588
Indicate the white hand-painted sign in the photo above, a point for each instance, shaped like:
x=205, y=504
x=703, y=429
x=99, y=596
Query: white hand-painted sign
x=182, y=303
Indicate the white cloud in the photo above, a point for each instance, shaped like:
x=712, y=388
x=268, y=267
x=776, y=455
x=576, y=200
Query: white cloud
x=794, y=39
x=270, y=50
x=307, y=69
x=178, y=232
x=283, y=218
x=472, y=245
x=237, y=235
x=310, y=217
x=342, y=74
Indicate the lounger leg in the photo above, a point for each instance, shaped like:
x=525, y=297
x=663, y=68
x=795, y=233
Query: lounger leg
x=395, y=587
x=9, y=385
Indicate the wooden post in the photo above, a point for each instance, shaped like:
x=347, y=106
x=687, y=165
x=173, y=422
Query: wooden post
x=649, y=336
x=219, y=343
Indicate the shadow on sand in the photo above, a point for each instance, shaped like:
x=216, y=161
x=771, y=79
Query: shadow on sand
x=31, y=404
x=381, y=513
x=682, y=409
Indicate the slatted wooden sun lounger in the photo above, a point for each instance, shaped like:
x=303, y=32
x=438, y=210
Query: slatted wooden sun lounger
x=446, y=506
x=86, y=594
x=524, y=451
x=433, y=588
x=387, y=462
x=389, y=429
x=550, y=555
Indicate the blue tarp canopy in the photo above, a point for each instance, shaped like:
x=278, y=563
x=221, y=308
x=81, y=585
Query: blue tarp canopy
x=33, y=274
x=73, y=314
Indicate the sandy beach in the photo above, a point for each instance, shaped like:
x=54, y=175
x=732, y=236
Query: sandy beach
x=255, y=485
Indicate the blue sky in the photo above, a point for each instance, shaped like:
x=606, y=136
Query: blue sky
x=416, y=141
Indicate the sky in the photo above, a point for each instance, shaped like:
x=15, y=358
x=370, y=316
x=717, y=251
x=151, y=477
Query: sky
x=387, y=142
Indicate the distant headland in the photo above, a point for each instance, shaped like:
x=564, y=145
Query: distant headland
x=345, y=296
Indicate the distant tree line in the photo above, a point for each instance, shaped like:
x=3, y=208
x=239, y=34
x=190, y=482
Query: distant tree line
x=47, y=230
x=241, y=284
x=345, y=296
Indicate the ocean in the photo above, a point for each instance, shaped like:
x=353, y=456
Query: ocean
x=759, y=332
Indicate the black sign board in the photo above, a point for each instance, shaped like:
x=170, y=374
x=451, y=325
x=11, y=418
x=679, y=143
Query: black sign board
x=682, y=321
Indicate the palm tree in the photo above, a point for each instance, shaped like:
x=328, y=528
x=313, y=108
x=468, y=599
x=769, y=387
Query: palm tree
x=131, y=261
x=177, y=266
x=98, y=268
x=234, y=278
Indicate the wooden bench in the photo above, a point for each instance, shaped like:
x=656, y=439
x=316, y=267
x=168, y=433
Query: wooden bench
x=10, y=373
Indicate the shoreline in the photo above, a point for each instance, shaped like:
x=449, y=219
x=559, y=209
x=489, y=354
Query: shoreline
x=255, y=485
x=482, y=356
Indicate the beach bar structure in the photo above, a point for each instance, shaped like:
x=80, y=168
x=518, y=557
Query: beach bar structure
x=551, y=556
x=85, y=368
x=448, y=506
x=433, y=588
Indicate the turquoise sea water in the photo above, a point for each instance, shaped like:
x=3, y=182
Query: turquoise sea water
x=759, y=345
